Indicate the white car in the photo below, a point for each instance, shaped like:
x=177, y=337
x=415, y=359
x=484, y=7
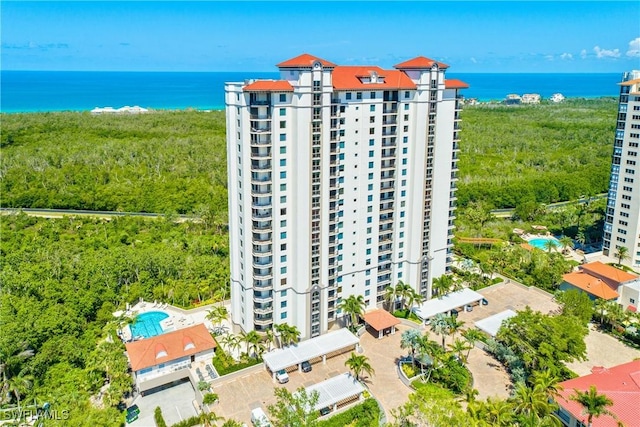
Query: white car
x=259, y=418
x=282, y=376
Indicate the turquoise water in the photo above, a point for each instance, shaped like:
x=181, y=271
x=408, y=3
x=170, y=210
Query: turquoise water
x=30, y=91
x=541, y=241
x=148, y=324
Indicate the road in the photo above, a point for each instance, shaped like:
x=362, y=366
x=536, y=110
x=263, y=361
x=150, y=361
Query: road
x=59, y=213
x=506, y=213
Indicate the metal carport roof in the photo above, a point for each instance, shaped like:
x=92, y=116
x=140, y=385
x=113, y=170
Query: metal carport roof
x=447, y=303
x=315, y=347
x=336, y=389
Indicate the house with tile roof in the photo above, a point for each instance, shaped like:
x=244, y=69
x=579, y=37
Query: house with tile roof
x=620, y=383
x=168, y=357
x=603, y=281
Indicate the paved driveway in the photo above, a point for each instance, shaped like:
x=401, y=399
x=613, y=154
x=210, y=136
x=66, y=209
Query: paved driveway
x=176, y=403
x=603, y=350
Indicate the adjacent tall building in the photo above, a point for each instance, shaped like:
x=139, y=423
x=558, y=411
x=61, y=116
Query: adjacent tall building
x=342, y=182
x=622, y=221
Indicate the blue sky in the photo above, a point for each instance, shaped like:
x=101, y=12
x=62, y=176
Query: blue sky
x=504, y=36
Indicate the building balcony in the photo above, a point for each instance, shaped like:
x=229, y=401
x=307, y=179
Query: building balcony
x=389, y=142
x=260, y=129
x=261, y=190
x=262, y=298
x=261, y=238
x=260, y=177
x=263, y=308
x=260, y=117
x=387, y=175
x=263, y=320
x=389, y=120
x=261, y=153
x=262, y=274
x=262, y=226
x=386, y=218
x=261, y=214
x=387, y=131
x=388, y=164
x=261, y=202
x=259, y=101
x=260, y=165
x=385, y=249
x=388, y=153
x=260, y=140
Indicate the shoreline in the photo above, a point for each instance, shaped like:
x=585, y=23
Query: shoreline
x=215, y=108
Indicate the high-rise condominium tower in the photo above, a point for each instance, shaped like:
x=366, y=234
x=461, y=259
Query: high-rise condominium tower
x=622, y=221
x=342, y=182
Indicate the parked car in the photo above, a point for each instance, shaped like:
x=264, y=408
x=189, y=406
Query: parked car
x=282, y=376
x=306, y=366
x=324, y=411
x=133, y=412
x=259, y=418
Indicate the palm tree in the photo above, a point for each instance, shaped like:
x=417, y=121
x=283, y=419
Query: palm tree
x=404, y=291
x=622, y=253
x=209, y=419
x=498, y=412
x=594, y=404
x=440, y=326
x=269, y=338
x=458, y=347
x=454, y=325
x=217, y=314
x=581, y=238
x=252, y=340
x=549, y=245
x=359, y=364
x=19, y=384
x=288, y=334
x=354, y=307
x=600, y=306
x=472, y=336
x=390, y=297
x=531, y=403
x=411, y=339
x=566, y=243
x=441, y=285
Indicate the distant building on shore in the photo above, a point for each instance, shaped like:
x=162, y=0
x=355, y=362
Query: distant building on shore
x=531, y=98
x=513, y=99
x=342, y=181
x=622, y=219
x=557, y=97
x=122, y=110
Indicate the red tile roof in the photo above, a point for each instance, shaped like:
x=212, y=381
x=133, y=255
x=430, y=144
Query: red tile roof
x=420, y=63
x=304, y=61
x=629, y=82
x=620, y=383
x=609, y=274
x=351, y=78
x=170, y=346
x=591, y=285
x=269, y=86
x=455, y=84
x=380, y=319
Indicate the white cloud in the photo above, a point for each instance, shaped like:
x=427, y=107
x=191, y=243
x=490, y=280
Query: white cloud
x=606, y=53
x=566, y=56
x=474, y=60
x=549, y=57
x=634, y=48
x=583, y=53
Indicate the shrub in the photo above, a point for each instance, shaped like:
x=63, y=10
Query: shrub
x=453, y=376
x=157, y=415
x=225, y=364
x=209, y=398
x=366, y=414
x=203, y=385
x=409, y=370
x=189, y=422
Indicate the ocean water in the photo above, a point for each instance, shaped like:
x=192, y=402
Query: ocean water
x=30, y=91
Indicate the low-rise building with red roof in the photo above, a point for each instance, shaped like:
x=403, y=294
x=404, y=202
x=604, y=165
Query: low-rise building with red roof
x=606, y=282
x=167, y=357
x=620, y=383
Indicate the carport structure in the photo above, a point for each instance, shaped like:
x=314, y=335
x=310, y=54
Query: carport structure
x=491, y=325
x=337, y=392
x=447, y=303
x=312, y=350
x=381, y=321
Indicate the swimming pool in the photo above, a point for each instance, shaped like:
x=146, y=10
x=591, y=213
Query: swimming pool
x=541, y=242
x=147, y=325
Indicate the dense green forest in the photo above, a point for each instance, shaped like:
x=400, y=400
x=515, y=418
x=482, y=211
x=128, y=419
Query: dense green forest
x=166, y=162
x=544, y=153
x=175, y=162
x=61, y=281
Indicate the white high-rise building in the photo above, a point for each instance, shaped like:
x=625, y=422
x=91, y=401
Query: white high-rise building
x=342, y=182
x=622, y=221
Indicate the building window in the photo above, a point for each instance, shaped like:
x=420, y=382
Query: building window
x=373, y=95
x=283, y=124
x=283, y=270
x=283, y=162
x=283, y=315
x=283, y=137
x=283, y=235
x=283, y=111
x=283, y=175
x=406, y=107
x=372, y=119
x=283, y=187
x=348, y=95
x=283, y=199
x=372, y=131
x=358, y=95
x=405, y=139
x=283, y=304
x=372, y=108
x=283, y=97
x=370, y=165
x=370, y=153
x=406, y=94
x=283, y=150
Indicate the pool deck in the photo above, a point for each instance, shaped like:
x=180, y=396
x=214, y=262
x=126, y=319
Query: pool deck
x=178, y=318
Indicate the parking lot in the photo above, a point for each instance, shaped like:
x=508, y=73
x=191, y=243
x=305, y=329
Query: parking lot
x=176, y=403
